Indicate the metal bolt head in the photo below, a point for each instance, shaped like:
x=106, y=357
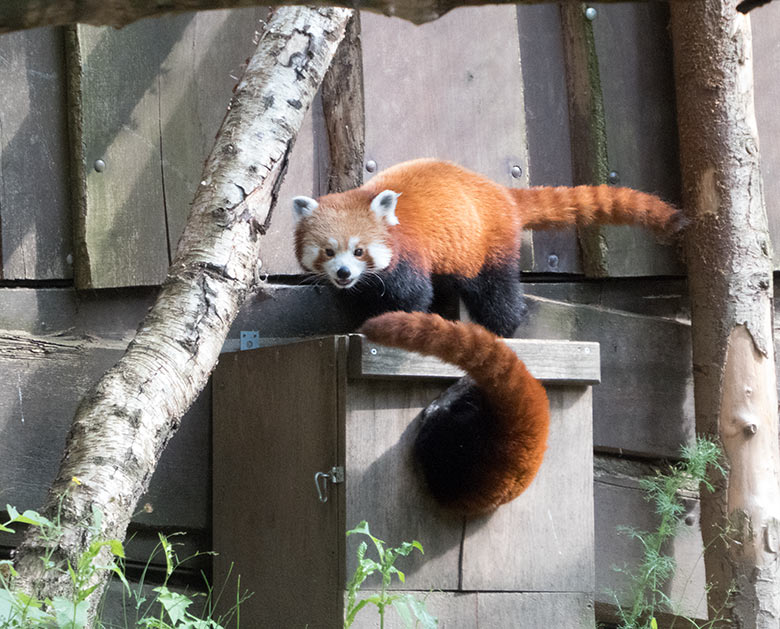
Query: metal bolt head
x=100, y=165
x=371, y=166
x=552, y=261
x=590, y=14
x=690, y=520
x=373, y=351
x=613, y=178
x=516, y=171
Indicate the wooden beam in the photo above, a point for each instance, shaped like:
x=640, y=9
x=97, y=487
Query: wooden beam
x=22, y=14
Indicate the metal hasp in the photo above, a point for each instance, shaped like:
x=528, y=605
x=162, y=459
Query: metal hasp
x=336, y=475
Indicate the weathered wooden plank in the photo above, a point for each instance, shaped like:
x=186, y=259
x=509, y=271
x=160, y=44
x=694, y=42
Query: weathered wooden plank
x=619, y=501
x=766, y=68
x=196, y=80
x=269, y=441
x=497, y=610
x=545, y=545
x=635, y=63
x=384, y=488
x=547, y=120
x=454, y=610
x=508, y=610
x=35, y=225
x=42, y=380
x=455, y=93
x=306, y=174
x=559, y=363
x=644, y=404
x=147, y=102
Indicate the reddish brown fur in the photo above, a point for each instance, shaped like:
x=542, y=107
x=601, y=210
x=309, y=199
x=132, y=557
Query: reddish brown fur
x=454, y=221
x=518, y=400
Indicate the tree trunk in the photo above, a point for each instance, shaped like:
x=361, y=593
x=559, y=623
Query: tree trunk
x=343, y=104
x=21, y=14
x=123, y=424
x=730, y=276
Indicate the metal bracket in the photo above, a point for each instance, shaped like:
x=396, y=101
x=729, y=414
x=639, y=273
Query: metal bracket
x=335, y=475
x=250, y=339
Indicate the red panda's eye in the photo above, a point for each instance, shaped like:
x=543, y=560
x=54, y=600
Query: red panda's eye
x=358, y=252
x=330, y=253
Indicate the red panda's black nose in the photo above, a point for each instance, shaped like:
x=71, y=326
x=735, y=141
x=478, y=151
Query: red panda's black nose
x=343, y=273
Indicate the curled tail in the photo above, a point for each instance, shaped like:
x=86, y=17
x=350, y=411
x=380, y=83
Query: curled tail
x=482, y=441
x=549, y=208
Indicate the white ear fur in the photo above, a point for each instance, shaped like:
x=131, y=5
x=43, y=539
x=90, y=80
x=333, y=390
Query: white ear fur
x=384, y=204
x=303, y=207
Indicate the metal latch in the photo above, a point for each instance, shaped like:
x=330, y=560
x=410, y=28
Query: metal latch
x=336, y=475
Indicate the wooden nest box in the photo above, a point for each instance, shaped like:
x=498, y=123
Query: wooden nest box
x=342, y=406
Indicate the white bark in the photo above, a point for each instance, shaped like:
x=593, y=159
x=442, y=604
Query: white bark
x=730, y=279
x=122, y=426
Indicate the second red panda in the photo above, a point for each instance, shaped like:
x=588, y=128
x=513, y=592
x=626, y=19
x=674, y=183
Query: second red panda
x=385, y=242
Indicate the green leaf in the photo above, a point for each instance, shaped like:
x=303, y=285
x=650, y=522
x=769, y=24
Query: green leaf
x=402, y=608
x=116, y=548
x=70, y=615
x=653, y=623
x=175, y=604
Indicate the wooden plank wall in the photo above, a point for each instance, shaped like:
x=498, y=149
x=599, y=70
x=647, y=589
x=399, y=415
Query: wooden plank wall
x=35, y=222
x=484, y=87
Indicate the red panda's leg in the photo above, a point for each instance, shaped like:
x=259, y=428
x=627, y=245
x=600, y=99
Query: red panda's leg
x=494, y=299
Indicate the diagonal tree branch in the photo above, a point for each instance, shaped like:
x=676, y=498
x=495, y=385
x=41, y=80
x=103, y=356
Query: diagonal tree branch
x=124, y=423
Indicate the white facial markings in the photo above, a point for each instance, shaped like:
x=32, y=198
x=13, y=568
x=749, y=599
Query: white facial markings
x=309, y=256
x=381, y=254
x=343, y=268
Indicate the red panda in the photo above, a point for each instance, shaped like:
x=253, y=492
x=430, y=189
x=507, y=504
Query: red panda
x=385, y=242
x=481, y=443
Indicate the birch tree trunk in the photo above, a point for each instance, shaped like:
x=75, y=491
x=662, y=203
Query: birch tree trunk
x=123, y=424
x=730, y=276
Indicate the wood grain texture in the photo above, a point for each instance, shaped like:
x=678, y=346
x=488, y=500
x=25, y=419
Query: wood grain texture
x=502, y=610
x=644, y=404
x=766, y=66
x=455, y=93
x=547, y=121
x=35, y=220
x=384, y=487
x=560, y=363
x=619, y=501
x=269, y=441
x=544, y=538
x=635, y=64
x=42, y=380
x=149, y=100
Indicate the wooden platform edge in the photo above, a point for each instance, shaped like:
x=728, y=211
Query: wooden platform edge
x=553, y=362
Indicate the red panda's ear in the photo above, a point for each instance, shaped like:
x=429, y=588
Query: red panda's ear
x=303, y=207
x=383, y=206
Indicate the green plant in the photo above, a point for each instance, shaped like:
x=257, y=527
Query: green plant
x=167, y=609
x=411, y=610
x=646, y=581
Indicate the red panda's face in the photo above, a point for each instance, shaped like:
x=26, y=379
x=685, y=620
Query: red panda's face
x=343, y=244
